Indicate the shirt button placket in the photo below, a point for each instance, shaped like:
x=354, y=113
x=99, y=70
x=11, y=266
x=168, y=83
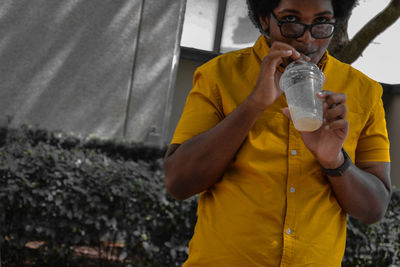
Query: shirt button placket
x=294, y=153
x=293, y=173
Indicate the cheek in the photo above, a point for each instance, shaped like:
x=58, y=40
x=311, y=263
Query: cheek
x=275, y=35
x=324, y=43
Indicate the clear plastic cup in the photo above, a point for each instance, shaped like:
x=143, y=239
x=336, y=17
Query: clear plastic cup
x=300, y=82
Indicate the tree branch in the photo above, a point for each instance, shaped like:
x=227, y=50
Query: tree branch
x=351, y=50
x=340, y=39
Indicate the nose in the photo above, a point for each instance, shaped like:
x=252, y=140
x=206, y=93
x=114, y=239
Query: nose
x=306, y=37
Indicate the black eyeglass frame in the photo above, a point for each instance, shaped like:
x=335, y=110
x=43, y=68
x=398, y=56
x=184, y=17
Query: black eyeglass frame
x=305, y=27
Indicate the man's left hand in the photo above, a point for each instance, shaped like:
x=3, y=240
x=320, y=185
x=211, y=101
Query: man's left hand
x=326, y=142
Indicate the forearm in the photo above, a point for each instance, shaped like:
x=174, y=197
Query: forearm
x=200, y=162
x=361, y=193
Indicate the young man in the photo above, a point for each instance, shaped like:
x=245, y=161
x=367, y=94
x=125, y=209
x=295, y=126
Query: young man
x=270, y=195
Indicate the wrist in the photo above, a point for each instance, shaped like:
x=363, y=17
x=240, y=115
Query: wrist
x=333, y=164
x=255, y=103
x=338, y=171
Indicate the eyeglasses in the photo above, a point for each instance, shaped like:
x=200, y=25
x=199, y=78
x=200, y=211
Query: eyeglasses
x=289, y=29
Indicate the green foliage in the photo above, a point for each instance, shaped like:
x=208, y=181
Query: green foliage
x=69, y=192
x=377, y=244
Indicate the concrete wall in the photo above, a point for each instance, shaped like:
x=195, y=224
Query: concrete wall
x=184, y=84
x=93, y=67
x=393, y=125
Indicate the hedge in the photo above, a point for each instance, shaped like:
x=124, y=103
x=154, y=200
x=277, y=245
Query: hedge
x=377, y=244
x=68, y=192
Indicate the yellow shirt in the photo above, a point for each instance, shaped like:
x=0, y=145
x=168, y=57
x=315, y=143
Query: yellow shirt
x=274, y=206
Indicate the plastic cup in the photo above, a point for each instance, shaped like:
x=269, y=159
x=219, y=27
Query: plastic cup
x=300, y=82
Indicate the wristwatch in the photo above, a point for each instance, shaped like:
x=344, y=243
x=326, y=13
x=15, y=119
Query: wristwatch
x=340, y=170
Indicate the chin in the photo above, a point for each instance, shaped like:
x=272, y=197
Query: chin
x=316, y=58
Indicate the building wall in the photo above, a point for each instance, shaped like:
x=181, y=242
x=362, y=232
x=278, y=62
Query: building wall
x=103, y=68
x=393, y=125
x=184, y=84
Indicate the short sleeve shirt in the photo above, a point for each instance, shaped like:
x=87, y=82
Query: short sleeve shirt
x=274, y=206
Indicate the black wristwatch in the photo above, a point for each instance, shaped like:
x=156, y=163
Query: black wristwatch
x=340, y=170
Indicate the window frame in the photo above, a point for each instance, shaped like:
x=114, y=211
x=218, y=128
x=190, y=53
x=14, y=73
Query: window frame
x=205, y=55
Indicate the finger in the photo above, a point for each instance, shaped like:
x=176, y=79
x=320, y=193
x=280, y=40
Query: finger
x=323, y=94
x=325, y=108
x=286, y=112
x=283, y=46
x=274, y=59
x=278, y=76
x=335, y=99
x=335, y=112
x=277, y=56
x=306, y=58
x=295, y=56
x=337, y=124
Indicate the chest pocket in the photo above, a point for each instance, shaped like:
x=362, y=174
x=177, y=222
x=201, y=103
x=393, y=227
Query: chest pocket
x=270, y=129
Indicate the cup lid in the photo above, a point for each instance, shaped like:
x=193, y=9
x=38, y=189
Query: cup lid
x=302, y=63
x=297, y=70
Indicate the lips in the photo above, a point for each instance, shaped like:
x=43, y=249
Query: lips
x=307, y=53
x=311, y=54
x=306, y=50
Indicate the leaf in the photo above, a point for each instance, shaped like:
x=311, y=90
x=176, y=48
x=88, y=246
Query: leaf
x=144, y=236
x=123, y=255
x=113, y=223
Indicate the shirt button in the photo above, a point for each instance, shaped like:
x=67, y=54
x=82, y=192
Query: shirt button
x=294, y=152
x=292, y=190
x=288, y=231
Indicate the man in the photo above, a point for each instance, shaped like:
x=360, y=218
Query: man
x=270, y=195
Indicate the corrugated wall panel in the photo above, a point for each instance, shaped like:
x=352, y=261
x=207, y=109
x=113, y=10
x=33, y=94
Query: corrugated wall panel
x=67, y=65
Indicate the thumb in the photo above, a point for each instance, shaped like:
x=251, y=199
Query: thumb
x=286, y=112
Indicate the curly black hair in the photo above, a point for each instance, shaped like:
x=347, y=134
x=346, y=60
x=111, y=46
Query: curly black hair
x=341, y=8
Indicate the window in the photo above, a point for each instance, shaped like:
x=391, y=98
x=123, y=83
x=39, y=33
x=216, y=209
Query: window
x=199, y=24
x=213, y=27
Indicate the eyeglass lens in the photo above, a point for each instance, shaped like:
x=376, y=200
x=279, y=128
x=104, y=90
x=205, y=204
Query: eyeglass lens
x=296, y=30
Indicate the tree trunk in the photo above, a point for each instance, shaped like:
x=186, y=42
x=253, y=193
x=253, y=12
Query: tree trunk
x=349, y=50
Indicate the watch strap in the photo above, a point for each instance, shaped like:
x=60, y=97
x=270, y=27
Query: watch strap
x=341, y=169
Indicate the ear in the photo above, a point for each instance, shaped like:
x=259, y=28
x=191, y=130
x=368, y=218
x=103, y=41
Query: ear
x=264, y=21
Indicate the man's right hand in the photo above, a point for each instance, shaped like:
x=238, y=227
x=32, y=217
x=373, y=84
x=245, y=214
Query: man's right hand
x=267, y=88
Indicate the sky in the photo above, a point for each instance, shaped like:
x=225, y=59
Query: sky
x=381, y=59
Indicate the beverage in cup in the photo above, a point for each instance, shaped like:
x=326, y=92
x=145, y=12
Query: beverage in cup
x=300, y=82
